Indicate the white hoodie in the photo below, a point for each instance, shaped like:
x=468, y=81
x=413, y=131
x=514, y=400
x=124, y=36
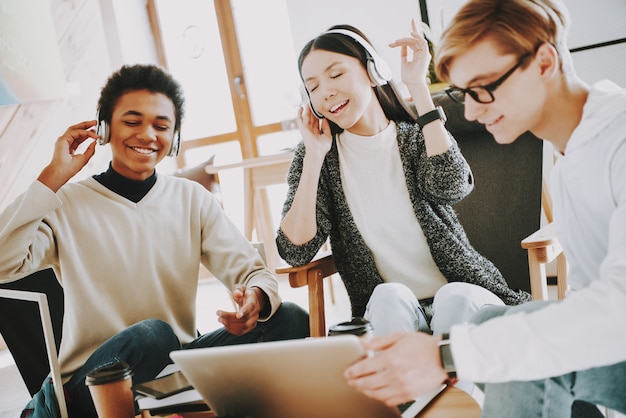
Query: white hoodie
x=586, y=329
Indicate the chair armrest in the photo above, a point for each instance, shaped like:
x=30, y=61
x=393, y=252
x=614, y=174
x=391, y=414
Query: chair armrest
x=312, y=275
x=541, y=238
x=544, y=244
x=323, y=266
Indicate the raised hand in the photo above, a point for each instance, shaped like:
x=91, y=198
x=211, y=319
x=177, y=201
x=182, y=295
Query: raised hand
x=413, y=71
x=315, y=132
x=66, y=163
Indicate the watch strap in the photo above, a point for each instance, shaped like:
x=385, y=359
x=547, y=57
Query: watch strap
x=431, y=116
x=445, y=352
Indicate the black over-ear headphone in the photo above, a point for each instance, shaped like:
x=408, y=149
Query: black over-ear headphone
x=105, y=136
x=377, y=69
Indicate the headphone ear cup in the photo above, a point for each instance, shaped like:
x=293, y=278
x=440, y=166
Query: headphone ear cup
x=317, y=115
x=104, y=132
x=379, y=73
x=315, y=112
x=175, y=148
x=372, y=71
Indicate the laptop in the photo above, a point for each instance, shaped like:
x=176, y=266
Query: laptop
x=285, y=379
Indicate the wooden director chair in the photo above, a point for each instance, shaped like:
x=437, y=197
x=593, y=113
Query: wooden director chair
x=544, y=247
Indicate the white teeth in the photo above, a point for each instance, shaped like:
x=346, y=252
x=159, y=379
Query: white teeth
x=143, y=150
x=337, y=106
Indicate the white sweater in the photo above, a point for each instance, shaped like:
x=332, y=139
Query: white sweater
x=121, y=262
x=587, y=328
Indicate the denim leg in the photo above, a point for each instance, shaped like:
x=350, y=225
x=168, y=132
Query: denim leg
x=571, y=395
x=393, y=307
x=145, y=346
x=536, y=399
x=290, y=321
x=604, y=386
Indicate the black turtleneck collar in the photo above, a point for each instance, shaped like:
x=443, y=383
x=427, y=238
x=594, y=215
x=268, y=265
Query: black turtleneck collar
x=133, y=190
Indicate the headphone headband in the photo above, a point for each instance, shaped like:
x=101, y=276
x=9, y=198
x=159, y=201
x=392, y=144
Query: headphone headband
x=381, y=73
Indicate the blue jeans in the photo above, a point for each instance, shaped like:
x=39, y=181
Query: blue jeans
x=570, y=395
x=146, y=346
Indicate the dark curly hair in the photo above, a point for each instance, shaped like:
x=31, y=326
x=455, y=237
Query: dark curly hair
x=140, y=77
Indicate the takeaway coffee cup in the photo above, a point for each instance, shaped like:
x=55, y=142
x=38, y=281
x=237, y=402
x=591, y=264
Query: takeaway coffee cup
x=110, y=389
x=358, y=326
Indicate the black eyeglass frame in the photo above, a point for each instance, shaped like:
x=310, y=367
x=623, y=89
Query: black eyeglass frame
x=489, y=88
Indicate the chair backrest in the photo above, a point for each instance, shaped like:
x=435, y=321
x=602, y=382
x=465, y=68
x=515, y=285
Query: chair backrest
x=21, y=326
x=505, y=206
x=31, y=310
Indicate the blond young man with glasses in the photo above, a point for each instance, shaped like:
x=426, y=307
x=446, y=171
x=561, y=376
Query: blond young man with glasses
x=508, y=62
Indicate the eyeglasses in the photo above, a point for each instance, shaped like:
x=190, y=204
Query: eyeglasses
x=483, y=94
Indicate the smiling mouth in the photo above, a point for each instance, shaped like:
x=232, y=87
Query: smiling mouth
x=336, y=108
x=144, y=151
x=492, y=122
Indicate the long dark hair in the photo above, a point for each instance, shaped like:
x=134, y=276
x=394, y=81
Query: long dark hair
x=393, y=106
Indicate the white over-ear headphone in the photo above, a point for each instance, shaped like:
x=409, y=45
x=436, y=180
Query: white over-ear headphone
x=105, y=136
x=377, y=69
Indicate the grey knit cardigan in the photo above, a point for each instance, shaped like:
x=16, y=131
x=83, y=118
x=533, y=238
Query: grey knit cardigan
x=434, y=184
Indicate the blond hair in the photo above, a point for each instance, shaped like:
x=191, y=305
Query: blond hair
x=517, y=26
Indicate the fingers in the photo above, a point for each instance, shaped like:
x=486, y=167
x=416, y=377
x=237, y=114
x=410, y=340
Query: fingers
x=307, y=121
x=383, y=342
x=246, y=302
x=236, y=325
x=325, y=127
x=77, y=134
x=377, y=382
x=372, y=377
x=415, y=41
x=84, y=125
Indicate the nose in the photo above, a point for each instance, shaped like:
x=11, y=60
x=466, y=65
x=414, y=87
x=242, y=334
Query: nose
x=472, y=109
x=327, y=91
x=147, y=133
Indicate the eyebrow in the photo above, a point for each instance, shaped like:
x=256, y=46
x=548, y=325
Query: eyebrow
x=332, y=64
x=136, y=113
x=482, y=77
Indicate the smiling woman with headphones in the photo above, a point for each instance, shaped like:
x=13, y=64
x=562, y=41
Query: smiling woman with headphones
x=380, y=181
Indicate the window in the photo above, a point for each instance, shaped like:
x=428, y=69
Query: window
x=239, y=75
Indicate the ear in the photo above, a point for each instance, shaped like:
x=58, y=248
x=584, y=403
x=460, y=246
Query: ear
x=548, y=60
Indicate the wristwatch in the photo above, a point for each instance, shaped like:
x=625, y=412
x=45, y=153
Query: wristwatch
x=447, y=362
x=431, y=116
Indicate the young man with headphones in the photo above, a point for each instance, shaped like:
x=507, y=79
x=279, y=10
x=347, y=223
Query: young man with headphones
x=508, y=62
x=126, y=244
x=363, y=175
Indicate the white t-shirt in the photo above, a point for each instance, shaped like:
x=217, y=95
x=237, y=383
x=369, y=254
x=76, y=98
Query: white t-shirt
x=377, y=195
